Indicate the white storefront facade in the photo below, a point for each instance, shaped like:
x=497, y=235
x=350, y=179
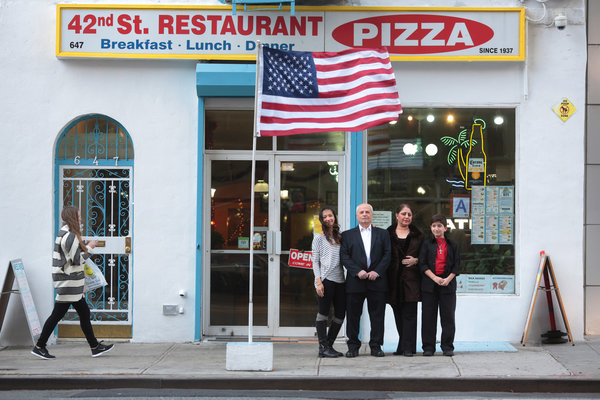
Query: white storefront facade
x=140, y=113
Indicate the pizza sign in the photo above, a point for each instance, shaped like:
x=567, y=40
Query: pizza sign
x=414, y=33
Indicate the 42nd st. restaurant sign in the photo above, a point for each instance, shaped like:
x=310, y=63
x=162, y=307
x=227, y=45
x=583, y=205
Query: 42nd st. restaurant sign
x=213, y=32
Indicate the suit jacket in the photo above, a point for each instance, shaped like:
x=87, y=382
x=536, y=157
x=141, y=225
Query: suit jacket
x=427, y=261
x=354, y=259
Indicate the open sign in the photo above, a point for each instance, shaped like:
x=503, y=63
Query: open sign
x=300, y=259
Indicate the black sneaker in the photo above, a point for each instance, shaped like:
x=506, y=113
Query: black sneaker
x=101, y=349
x=42, y=353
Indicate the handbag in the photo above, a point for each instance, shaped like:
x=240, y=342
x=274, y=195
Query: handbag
x=94, y=278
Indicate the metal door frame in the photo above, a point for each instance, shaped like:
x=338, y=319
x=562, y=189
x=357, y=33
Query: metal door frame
x=274, y=260
x=274, y=159
x=226, y=330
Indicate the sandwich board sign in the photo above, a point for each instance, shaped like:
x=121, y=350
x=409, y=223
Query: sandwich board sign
x=17, y=271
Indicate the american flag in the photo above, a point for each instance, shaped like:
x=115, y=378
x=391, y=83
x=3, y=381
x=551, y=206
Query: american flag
x=303, y=92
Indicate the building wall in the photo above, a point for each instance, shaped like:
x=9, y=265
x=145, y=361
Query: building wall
x=156, y=102
x=592, y=165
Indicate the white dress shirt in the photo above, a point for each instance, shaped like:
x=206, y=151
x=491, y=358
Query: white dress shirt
x=365, y=233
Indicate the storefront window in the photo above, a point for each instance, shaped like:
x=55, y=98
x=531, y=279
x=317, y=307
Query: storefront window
x=232, y=130
x=323, y=141
x=459, y=162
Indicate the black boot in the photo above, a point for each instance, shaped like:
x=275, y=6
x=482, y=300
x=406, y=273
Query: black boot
x=334, y=329
x=324, y=349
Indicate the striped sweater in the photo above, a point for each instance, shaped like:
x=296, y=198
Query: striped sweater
x=326, y=260
x=68, y=267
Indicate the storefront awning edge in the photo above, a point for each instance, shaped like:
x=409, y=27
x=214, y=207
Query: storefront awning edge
x=225, y=80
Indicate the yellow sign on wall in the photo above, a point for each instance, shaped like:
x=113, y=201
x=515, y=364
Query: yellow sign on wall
x=564, y=110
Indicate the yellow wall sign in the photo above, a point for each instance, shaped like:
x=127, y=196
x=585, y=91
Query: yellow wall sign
x=565, y=109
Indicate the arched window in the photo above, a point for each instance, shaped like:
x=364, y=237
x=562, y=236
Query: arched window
x=95, y=139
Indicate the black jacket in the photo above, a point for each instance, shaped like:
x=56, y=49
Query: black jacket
x=354, y=259
x=404, y=282
x=427, y=261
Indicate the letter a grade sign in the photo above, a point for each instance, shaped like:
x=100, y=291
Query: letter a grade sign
x=461, y=206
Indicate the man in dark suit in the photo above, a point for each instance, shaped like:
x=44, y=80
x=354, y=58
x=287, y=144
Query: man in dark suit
x=366, y=254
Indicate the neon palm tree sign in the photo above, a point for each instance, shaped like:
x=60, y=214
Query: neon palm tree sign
x=472, y=165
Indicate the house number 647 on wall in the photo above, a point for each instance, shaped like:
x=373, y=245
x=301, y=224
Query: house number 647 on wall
x=77, y=160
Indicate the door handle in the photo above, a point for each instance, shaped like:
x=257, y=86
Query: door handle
x=278, y=242
x=101, y=243
x=270, y=236
x=128, y=245
x=274, y=242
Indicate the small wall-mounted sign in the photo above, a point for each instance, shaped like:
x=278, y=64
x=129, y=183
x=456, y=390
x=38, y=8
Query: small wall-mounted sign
x=382, y=219
x=461, y=205
x=564, y=110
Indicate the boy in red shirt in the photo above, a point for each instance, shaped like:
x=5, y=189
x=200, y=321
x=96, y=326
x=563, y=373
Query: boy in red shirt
x=439, y=261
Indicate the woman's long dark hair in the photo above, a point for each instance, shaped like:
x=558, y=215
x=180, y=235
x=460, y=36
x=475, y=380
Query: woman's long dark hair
x=332, y=234
x=70, y=215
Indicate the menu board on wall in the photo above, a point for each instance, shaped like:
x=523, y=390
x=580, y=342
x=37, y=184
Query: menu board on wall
x=492, y=209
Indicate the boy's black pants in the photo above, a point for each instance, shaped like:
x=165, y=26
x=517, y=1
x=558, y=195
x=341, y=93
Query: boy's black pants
x=446, y=304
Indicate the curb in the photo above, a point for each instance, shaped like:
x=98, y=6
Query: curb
x=500, y=385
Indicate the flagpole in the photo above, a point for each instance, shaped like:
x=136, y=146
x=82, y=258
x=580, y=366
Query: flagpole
x=251, y=356
x=251, y=262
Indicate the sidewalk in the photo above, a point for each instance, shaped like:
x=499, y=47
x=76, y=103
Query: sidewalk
x=533, y=368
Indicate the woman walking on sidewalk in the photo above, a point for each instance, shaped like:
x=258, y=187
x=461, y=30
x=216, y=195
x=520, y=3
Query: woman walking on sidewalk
x=329, y=281
x=70, y=253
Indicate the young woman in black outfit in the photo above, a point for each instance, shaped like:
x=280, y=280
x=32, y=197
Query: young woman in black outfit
x=329, y=282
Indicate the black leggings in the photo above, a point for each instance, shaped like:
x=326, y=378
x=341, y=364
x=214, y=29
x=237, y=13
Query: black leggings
x=334, y=293
x=59, y=311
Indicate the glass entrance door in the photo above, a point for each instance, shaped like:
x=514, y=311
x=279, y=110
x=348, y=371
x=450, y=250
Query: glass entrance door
x=289, y=192
x=305, y=186
x=229, y=244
